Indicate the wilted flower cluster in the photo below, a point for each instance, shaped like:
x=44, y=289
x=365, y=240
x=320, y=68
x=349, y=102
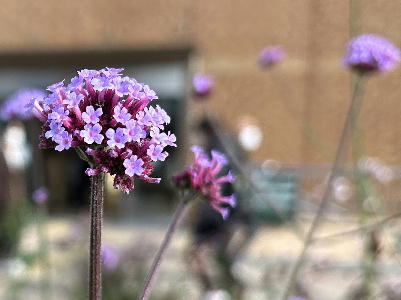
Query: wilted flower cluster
x=203, y=177
x=271, y=55
x=15, y=106
x=105, y=117
x=202, y=85
x=369, y=52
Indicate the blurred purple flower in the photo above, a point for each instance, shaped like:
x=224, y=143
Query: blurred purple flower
x=369, y=52
x=202, y=85
x=202, y=176
x=19, y=104
x=110, y=257
x=271, y=55
x=40, y=195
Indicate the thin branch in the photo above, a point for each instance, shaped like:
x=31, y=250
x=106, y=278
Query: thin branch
x=163, y=247
x=326, y=195
x=358, y=229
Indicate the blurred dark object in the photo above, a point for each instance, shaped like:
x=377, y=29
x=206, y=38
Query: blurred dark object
x=219, y=242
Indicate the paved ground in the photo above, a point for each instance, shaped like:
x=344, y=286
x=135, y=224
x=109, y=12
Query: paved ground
x=332, y=268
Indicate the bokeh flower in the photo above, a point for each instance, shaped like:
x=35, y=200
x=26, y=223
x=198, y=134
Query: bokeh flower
x=271, y=55
x=202, y=86
x=17, y=105
x=110, y=257
x=369, y=52
x=40, y=195
x=203, y=177
x=106, y=118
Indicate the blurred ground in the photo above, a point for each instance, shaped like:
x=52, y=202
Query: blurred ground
x=332, y=268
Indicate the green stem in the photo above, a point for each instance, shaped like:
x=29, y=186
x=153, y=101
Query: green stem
x=150, y=278
x=362, y=192
x=354, y=105
x=95, y=259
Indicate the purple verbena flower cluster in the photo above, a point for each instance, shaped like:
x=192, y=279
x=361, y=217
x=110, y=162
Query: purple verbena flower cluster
x=16, y=106
x=270, y=56
x=202, y=86
x=106, y=117
x=369, y=52
x=203, y=177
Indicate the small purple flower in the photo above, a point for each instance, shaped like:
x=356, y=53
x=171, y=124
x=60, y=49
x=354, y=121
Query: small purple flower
x=110, y=257
x=156, y=153
x=40, y=195
x=117, y=138
x=112, y=72
x=124, y=86
x=56, y=86
x=135, y=132
x=151, y=116
x=91, y=133
x=369, y=52
x=59, y=114
x=73, y=99
x=63, y=140
x=271, y=55
x=76, y=82
x=55, y=129
x=149, y=93
x=133, y=166
x=162, y=138
x=202, y=85
x=101, y=83
x=88, y=74
x=121, y=114
x=91, y=115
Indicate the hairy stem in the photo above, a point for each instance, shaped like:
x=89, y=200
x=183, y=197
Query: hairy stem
x=150, y=278
x=95, y=259
x=356, y=98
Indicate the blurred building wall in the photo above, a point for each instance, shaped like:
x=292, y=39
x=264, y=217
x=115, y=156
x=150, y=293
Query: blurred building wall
x=226, y=37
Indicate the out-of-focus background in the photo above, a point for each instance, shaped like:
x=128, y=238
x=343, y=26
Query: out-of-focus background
x=286, y=121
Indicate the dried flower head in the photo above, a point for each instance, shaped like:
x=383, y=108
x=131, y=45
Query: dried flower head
x=203, y=178
x=106, y=118
x=16, y=106
x=202, y=86
x=271, y=55
x=369, y=52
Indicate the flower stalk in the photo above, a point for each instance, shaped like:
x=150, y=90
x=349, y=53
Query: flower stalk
x=150, y=278
x=347, y=128
x=95, y=259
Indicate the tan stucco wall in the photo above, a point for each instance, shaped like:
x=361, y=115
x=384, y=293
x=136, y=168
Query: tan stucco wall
x=227, y=36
